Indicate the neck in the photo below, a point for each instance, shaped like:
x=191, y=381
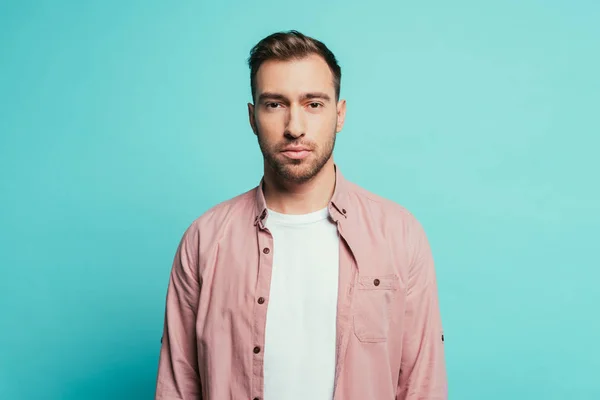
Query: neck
x=299, y=198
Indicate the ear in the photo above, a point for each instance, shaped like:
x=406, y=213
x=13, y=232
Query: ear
x=251, y=118
x=341, y=115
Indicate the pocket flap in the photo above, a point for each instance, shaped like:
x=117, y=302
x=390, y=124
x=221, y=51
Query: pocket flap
x=378, y=282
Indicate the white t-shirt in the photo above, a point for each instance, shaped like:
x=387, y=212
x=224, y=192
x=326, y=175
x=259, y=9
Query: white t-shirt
x=300, y=336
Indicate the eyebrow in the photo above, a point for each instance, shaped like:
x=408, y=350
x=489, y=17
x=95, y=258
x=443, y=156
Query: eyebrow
x=305, y=96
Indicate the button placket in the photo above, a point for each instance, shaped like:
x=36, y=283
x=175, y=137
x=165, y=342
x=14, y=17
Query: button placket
x=265, y=260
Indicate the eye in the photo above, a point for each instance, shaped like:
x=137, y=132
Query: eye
x=315, y=105
x=271, y=105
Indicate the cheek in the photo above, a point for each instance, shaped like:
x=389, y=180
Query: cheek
x=269, y=123
x=268, y=135
x=323, y=124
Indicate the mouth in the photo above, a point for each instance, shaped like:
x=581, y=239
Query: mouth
x=296, y=153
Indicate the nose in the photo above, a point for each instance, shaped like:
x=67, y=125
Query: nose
x=295, y=125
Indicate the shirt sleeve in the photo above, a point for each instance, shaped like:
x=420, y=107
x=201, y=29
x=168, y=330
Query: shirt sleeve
x=422, y=369
x=178, y=373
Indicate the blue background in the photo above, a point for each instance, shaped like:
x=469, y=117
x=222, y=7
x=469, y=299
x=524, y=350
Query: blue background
x=122, y=122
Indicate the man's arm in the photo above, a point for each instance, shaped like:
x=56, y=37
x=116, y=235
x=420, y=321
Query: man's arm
x=178, y=374
x=422, y=369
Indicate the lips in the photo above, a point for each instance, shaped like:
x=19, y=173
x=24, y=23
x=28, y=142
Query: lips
x=295, y=149
x=296, y=152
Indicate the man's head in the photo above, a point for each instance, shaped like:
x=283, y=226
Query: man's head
x=295, y=82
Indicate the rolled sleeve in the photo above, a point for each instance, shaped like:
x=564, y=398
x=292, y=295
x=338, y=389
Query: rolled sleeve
x=422, y=370
x=178, y=374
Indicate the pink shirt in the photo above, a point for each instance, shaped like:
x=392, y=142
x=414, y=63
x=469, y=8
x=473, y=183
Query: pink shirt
x=389, y=341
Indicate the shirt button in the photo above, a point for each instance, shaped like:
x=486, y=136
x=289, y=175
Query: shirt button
x=256, y=398
x=256, y=350
x=266, y=250
x=376, y=282
x=261, y=300
x=344, y=210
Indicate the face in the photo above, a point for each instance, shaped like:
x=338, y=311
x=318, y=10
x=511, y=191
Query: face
x=296, y=117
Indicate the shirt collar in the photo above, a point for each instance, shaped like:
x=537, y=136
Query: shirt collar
x=338, y=204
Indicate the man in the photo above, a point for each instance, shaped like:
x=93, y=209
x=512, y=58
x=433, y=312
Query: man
x=307, y=286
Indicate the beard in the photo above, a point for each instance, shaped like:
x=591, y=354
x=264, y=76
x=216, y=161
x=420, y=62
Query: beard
x=297, y=171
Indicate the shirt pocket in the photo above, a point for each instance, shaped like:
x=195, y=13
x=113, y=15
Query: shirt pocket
x=373, y=299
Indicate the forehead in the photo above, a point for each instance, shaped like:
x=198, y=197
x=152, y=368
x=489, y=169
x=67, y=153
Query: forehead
x=295, y=76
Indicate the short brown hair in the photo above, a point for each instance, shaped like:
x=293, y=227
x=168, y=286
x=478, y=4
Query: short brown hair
x=290, y=45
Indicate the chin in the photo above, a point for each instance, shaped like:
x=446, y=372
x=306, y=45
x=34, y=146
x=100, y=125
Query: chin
x=298, y=172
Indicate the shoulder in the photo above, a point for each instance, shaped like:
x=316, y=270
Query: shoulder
x=398, y=224
x=387, y=210
x=218, y=216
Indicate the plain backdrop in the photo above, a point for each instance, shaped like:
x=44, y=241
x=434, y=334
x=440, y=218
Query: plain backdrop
x=123, y=121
